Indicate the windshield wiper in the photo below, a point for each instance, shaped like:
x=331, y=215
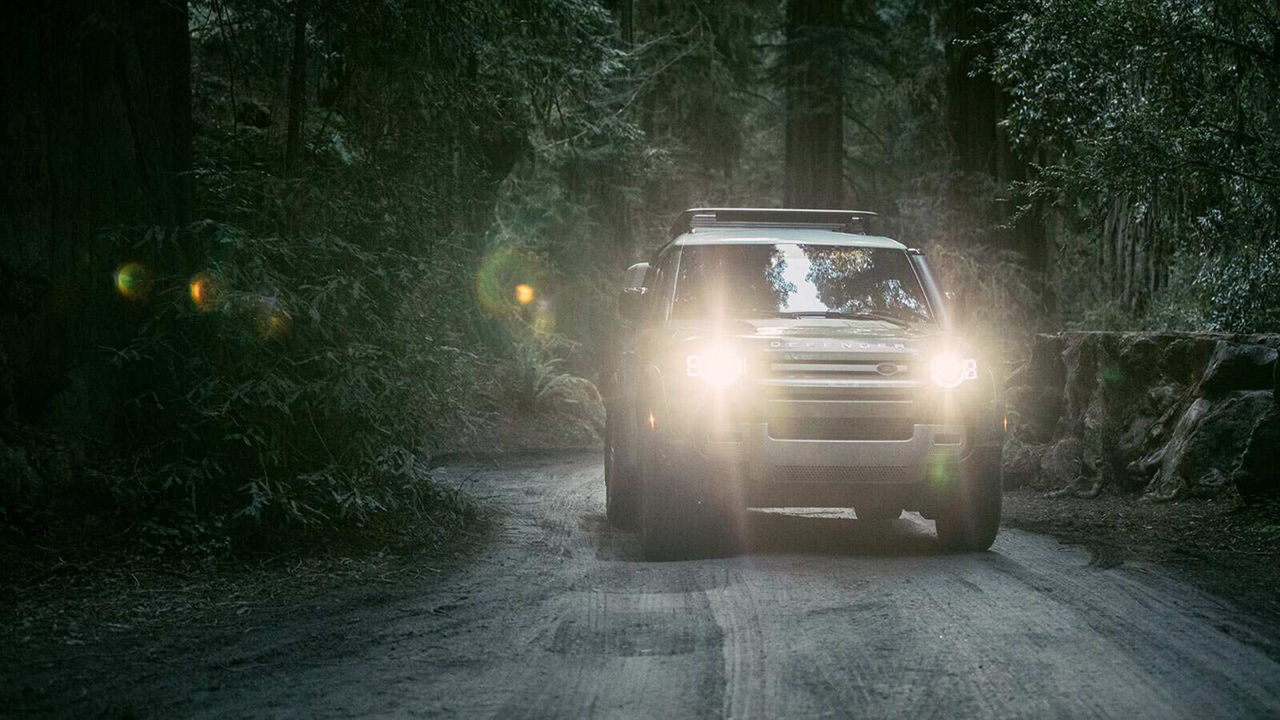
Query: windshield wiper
x=837, y=315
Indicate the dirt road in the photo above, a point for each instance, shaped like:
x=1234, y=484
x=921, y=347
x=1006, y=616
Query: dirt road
x=826, y=617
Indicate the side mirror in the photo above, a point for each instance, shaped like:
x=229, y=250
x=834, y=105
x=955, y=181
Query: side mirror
x=631, y=301
x=635, y=276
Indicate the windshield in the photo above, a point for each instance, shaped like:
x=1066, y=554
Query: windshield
x=792, y=279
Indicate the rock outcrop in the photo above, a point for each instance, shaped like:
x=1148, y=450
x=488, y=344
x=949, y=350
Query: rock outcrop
x=1171, y=414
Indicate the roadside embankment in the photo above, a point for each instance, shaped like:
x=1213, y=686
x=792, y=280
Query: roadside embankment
x=1168, y=414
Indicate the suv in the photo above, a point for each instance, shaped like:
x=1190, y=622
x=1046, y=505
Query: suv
x=787, y=358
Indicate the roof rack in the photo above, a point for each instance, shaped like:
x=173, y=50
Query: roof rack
x=849, y=221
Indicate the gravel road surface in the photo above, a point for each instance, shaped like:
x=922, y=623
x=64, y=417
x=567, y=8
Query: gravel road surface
x=558, y=617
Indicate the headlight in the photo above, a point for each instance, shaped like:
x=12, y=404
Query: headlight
x=718, y=367
x=949, y=370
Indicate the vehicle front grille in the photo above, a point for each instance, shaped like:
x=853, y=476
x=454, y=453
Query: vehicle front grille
x=838, y=429
x=838, y=392
x=824, y=474
x=842, y=368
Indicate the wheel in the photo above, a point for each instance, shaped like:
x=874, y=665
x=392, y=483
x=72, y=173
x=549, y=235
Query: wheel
x=669, y=514
x=969, y=523
x=877, y=512
x=620, y=502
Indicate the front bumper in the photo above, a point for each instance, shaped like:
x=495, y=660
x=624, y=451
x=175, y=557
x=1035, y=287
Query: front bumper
x=755, y=469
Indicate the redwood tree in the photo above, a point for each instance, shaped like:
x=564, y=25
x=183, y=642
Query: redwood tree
x=96, y=104
x=814, y=80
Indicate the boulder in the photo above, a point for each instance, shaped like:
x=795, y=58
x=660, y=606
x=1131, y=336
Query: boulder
x=1046, y=408
x=1170, y=413
x=1017, y=426
x=1060, y=464
x=1080, y=358
x=1184, y=358
x=1238, y=367
x=1020, y=411
x=1258, y=476
x=1019, y=376
x=1140, y=360
x=1021, y=462
x=1209, y=438
x=1045, y=367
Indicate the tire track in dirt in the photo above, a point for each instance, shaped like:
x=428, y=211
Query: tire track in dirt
x=832, y=617
x=827, y=616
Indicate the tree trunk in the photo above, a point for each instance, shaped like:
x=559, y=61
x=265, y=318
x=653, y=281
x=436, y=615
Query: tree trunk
x=624, y=13
x=973, y=99
x=96, y=104
x=297, y=90
x=975, y=104
x=813, y=73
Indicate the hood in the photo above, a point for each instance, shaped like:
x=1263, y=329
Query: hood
x=813, y=335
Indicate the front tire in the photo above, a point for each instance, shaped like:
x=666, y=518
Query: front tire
x=620, y=502
x=669, y=512
x=970, y=521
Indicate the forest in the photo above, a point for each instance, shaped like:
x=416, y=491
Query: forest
x=264, y=259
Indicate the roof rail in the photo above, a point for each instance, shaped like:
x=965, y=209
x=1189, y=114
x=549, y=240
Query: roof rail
x=849, y=221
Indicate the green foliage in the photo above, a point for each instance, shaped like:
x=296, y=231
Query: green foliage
x=332, y=337
x=534, y=383
x=1000, y=308
x=1160, y=133
x=297, y=385
x=360, y=312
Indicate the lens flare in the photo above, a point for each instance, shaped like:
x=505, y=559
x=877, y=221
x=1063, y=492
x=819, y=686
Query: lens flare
x=204, y=291
x=506, y=280
x=948, y=370
x=719, y=366
x=544, y=317
x=272, y=319
x=939, y=470
x=511, y=285
x=1112, y=374
x=133, y=280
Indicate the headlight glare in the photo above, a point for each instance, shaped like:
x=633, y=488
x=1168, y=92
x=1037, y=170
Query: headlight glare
x=949, y=370
x=718, y=367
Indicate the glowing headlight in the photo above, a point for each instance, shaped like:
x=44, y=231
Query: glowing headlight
x=718, y=367
x=948, y=370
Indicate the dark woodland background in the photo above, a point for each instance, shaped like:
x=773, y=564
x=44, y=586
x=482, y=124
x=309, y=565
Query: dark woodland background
x=258, y=256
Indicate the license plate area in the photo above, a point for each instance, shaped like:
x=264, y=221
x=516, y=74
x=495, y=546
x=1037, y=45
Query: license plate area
x=838, y=428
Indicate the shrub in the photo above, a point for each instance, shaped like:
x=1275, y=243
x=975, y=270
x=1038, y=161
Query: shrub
x=534, y=383
x=292, y=382
x=1001, y=306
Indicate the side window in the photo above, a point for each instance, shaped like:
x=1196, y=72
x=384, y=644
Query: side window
x=661, y=283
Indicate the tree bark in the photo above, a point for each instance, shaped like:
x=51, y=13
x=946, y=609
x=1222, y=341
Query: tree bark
x=814, y=78
x=975, y=104
x=95, y=97
x=297, y=90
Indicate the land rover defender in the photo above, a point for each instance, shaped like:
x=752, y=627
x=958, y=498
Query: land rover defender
x=789, y=358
